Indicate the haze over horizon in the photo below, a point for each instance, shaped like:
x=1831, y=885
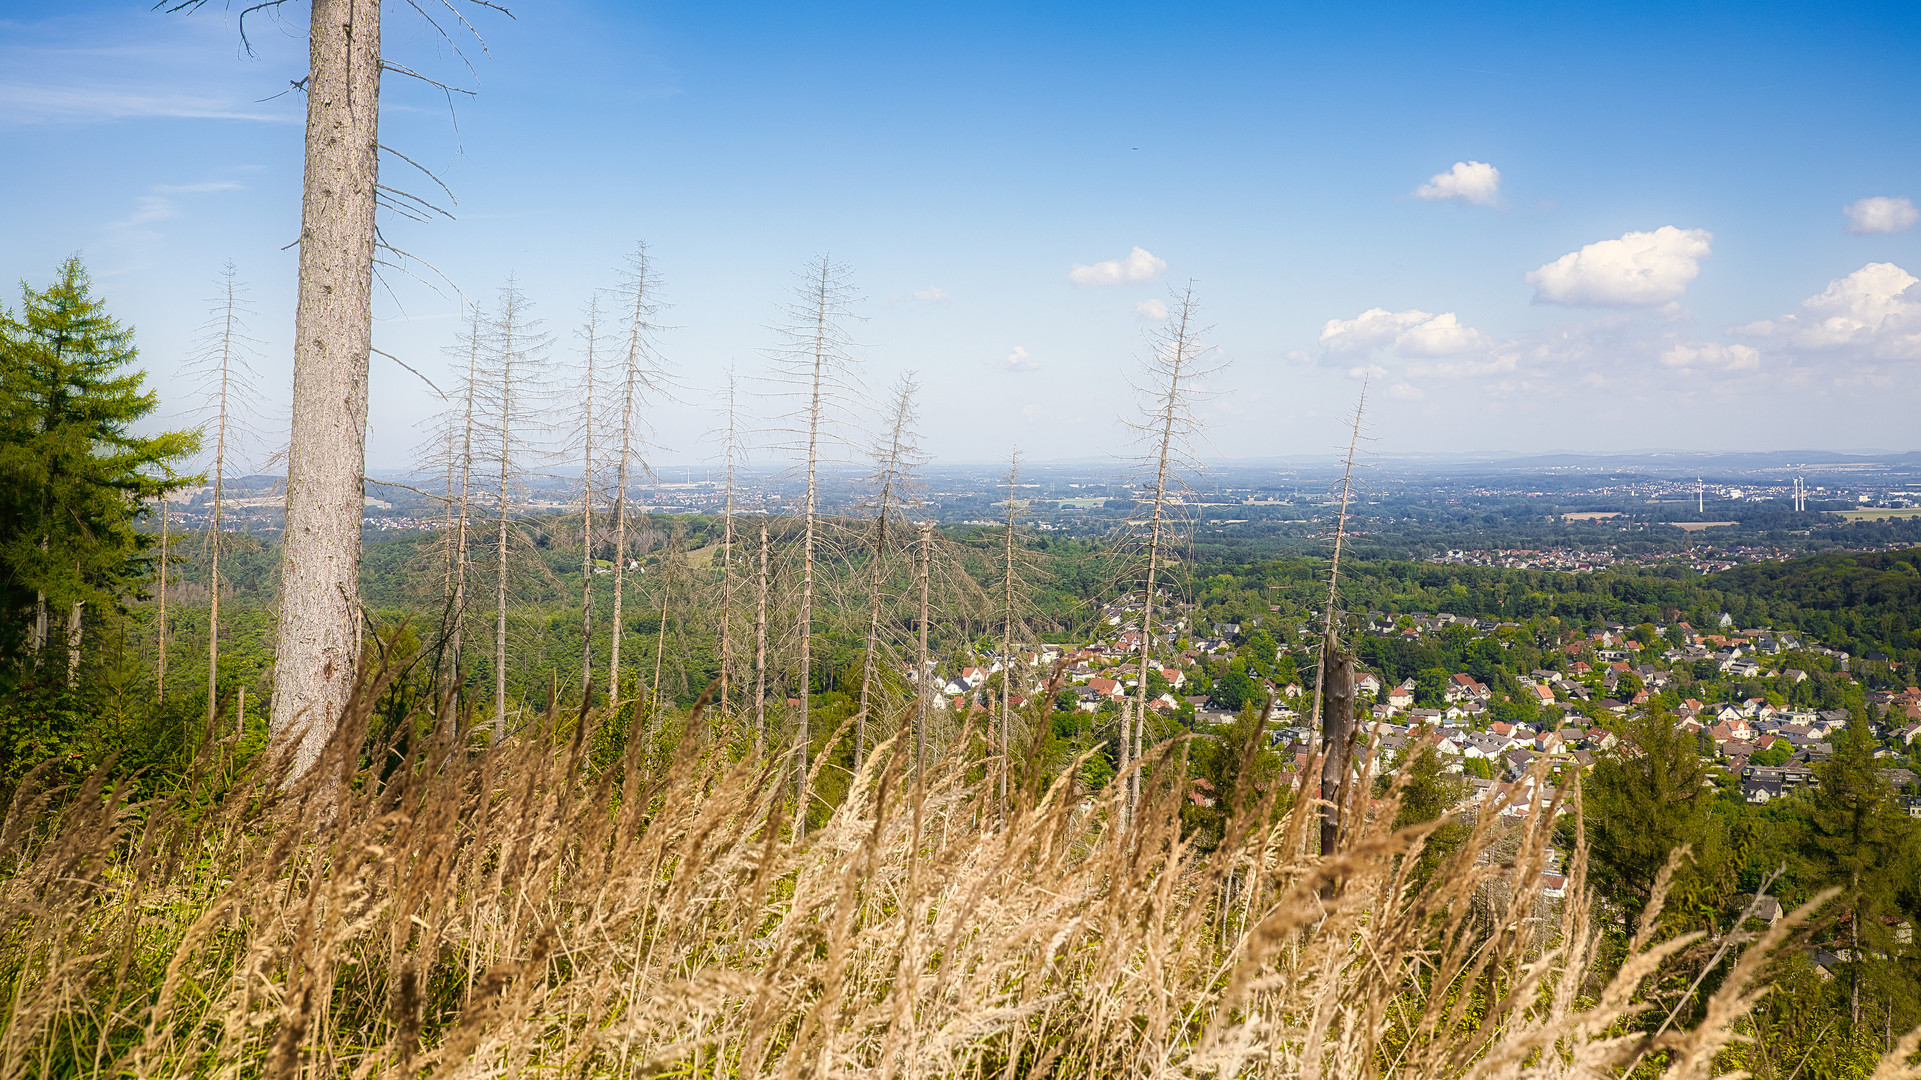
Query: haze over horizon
x=1565, y=227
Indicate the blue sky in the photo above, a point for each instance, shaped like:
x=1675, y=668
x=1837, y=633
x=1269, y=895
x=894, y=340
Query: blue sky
x=1533, y=226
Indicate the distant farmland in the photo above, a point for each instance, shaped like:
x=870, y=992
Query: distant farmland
x=1879, y=513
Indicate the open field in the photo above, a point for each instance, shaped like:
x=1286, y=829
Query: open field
x=1884, y=513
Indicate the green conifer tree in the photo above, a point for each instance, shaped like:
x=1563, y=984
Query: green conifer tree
x=74, y=477
x=1644, y=800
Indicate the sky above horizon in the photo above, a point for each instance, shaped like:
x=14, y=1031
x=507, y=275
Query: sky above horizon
x=1528, y=227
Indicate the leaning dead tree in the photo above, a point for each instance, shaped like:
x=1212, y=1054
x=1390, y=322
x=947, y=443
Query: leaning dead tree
x=814, y=369
x=643, y=376
x=1167, y=429
x=1333, y=710
x=227, y=383
x=895, y=458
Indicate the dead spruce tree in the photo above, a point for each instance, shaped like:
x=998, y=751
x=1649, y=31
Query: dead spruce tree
x=1013, y=600
x=895, y=456
x=1166, y=430
x=586, y=436
x=923, y=572
x=454, y=448
x=642, y=377
x=814, y=370
x=1332, y=717
x=317, y=640
x=731, y=451
x=160, y=560
x=222, y=365
x=512, y=367
x=318, y=644
x=760, y=650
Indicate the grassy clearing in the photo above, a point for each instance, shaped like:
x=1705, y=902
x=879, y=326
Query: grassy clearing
x=591, y=900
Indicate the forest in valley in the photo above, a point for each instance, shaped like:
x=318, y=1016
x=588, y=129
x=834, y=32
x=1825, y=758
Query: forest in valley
x=803, y=676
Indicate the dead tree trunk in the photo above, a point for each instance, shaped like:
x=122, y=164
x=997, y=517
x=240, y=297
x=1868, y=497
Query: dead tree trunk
x=639, y=289
x=816, y=358
x=1334, y=686
x=1337, y=734
x=318, y=638
x=760, y=651
x=1172, y=367
x=513, y=334
x=587, y=508
x=732, y=450
x=1007, y=630
x=925, y=674
x=73, y=640
x=895, y=458
x=228, y=316
x=160, y=672
x=460, y=511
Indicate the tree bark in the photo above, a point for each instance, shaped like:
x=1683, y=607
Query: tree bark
x=318, y=640
x=73, y=642
x=922, y=674
x=160, y=672
x=1337, y=731
x=760, y=652
x=587, y=515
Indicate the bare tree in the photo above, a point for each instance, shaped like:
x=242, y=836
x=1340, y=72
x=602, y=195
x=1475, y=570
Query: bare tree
x=459, y=430
x=731, y=451
x=590, y=339
x=669, y=569
x=160, y=562
x=642, y=373
x=227, y=377
x=318, y=636
x=515, y=351
x=922, y=675
x=895, y=458
x=1333, y=710
x=318, y=649
x=760, y=651
x=814, y=363
x=1167, y=429
x=1009, y=591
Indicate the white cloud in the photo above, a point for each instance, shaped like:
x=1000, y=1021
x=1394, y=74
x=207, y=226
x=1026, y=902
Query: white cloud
x=933, y=294
x=1881, y=214
x=1401, y=391
x=1712, y=355
x=1017, y=360
x=1152, y=310
x=1641, y=269
x=1140, y=265
x=1874, y=312
x=1410, y=333
x=1474, y=182
x=23, y=103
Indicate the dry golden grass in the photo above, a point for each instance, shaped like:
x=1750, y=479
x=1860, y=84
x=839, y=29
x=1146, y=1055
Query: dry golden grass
x=517, y=912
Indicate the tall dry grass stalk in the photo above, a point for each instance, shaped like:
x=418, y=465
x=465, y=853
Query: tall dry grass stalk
x=566, y=904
